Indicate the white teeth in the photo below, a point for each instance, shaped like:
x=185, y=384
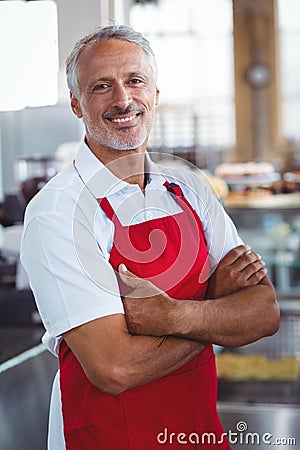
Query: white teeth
x=125, y=119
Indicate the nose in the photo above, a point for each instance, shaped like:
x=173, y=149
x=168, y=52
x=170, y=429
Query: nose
x=122, y=96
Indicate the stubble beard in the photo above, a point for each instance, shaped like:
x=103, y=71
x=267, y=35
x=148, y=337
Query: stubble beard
x=120, y=140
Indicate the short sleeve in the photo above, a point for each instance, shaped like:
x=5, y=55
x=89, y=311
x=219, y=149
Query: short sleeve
x=70, y=279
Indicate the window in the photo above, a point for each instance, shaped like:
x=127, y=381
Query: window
x=289, y=26
x=193, y=43
x=28, y=53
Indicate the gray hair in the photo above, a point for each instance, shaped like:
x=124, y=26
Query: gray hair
x=122, y=32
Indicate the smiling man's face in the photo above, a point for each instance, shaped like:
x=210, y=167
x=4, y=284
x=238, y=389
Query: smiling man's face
x=117, y=95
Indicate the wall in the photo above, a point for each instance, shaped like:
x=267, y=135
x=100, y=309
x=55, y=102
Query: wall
x=41, y=130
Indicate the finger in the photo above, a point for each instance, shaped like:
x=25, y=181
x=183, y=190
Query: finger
x=247, y=259
x=129, y=278
x=258, y=276
x=252, y=268
x=234, y=254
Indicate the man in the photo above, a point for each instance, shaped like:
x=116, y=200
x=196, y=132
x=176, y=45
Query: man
x=112, y=231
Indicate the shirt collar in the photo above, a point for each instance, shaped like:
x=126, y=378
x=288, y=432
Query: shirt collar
x=101, y=181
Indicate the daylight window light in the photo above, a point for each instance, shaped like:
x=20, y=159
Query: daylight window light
x=28, y=54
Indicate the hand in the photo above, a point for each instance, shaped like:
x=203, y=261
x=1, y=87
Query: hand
x=146, y=306
x=240, y=268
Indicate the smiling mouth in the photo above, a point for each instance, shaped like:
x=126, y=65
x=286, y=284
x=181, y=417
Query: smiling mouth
x=124, y=119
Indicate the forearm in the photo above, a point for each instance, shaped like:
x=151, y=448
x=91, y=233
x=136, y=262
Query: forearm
x=149, y=358
x=241, y=306
x=233, y=320
x=115, y=360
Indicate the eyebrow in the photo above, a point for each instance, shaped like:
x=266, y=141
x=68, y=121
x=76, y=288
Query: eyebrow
x=91, y=85
x=109, y=78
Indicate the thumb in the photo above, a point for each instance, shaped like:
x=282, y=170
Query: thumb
x=128, y=277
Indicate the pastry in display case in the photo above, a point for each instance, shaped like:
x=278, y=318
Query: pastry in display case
x=257, y=184
x=236, y=367
x=292, y=180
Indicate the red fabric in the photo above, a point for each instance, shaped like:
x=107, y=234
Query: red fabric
x=170, y=252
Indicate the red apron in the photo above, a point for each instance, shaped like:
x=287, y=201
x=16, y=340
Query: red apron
x=177, y=409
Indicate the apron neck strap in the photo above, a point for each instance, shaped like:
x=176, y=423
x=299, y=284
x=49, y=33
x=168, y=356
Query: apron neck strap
x=107, y=208
x=174, y=188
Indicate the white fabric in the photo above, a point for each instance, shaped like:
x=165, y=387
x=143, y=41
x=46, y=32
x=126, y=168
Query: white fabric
x=67, y=241
x=56, y=440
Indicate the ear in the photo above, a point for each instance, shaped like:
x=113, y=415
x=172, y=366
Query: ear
x=75, y=105
x=157, y=96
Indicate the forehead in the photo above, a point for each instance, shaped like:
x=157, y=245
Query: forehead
x=105, y=57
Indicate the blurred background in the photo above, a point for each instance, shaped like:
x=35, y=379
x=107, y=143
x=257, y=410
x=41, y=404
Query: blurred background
x=229, y=77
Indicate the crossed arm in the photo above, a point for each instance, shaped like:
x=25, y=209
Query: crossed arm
x=159, y=334
x=243, y=310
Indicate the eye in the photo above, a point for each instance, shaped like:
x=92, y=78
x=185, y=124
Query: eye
x=136, y=81
x=100, y=87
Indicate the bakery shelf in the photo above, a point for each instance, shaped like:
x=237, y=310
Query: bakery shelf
x=282, y=201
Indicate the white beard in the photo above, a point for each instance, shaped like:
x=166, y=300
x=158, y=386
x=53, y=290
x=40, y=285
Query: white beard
x=119, y=140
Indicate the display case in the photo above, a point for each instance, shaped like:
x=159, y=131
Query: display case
x=262, y=390
x=274, y=232
x=259, y=385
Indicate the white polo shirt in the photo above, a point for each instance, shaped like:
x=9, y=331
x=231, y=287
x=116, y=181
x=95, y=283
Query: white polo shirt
x=67, y=240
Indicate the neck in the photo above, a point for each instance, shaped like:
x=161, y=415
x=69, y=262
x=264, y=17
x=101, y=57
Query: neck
x=128, y=165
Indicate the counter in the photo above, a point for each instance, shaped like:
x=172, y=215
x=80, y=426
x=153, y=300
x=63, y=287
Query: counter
x=261, y=426
x=252, y=409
